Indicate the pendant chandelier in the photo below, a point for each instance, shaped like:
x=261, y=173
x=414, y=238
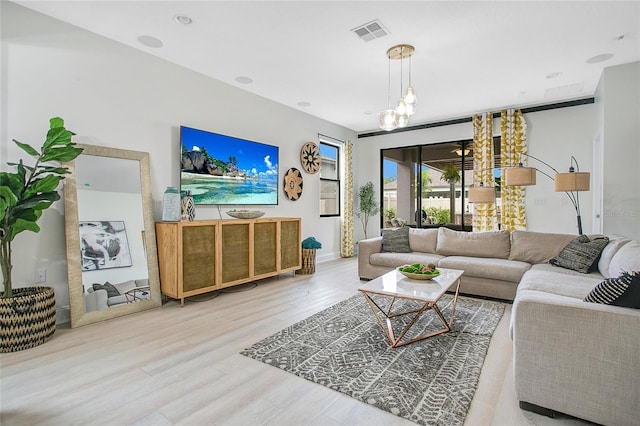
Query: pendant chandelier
x=390, y=118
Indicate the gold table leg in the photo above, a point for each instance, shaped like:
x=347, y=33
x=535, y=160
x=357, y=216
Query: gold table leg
x=388, y=316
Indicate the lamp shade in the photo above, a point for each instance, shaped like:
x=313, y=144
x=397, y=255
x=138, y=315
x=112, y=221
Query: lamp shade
x=572, y=181
x=482, y=194
x=520, y=176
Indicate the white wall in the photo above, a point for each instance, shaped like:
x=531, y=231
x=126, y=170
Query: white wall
x=553, y=136
x=112, y=95
x=618, y=102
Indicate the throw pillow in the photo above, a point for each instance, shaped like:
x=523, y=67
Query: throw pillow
x=395, y=240
x=621, y=291
x=581, y=253
x=112, y=291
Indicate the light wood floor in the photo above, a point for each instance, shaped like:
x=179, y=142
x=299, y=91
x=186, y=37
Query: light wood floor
x=180, y=365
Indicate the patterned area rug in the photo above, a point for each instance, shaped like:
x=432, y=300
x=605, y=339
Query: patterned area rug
x=428, y=382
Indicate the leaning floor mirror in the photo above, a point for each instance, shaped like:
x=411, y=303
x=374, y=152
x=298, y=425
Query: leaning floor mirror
x=112, y=260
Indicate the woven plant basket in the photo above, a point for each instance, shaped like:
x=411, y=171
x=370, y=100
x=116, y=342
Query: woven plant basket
x=27, y=319
x=308, y=262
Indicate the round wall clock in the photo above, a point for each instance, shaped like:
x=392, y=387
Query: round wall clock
x=310, y=157
x=293, y=184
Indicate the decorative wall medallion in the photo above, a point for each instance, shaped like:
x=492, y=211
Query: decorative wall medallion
x=310, y=157
x=293, y=184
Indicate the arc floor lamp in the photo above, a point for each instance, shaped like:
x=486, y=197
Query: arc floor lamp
x=571, y=182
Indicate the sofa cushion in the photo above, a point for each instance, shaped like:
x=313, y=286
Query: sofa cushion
x=423, y=240
x=395, y=240
x=626, y=259
x=556, y=280
x=621, y=291
x=393, y=260
x=478, y=244
x=537, y=247
x=615, y=243
x=498, y=269
x=581, y=253
x=111, y=290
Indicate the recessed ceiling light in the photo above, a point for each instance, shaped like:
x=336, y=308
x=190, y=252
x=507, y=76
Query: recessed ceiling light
x=183, y=19
x=553, y=74
x=368, y=113
x=600, y=58
x=304, y=104
x=150, y=41
x=244, y=79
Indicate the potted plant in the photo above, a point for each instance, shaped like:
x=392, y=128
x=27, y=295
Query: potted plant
x=368, y=206
x=451, y=174
x=28, y=315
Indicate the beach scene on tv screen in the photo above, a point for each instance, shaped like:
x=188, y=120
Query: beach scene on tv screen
x=220, y=169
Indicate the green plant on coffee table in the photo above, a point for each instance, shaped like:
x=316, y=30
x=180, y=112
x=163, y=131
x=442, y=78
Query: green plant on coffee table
x=27, y=192
x=420, y=269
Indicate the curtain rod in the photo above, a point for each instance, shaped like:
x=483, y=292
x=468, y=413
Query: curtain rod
x=320, y=135
x=546, y=107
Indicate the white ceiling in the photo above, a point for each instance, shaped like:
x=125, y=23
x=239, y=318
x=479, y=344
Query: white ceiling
x=470, y=56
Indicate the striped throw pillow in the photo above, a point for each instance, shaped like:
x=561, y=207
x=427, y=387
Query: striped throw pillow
x=621, y=291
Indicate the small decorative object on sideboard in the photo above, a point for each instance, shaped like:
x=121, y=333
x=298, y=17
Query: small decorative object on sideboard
x=188, y=207
x=171, y=206
x=245, y=214
x=309, y=247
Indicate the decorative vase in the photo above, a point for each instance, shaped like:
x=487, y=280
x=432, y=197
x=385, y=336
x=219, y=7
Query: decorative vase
x=188, y=207
x=27, y=319
x=171, y=206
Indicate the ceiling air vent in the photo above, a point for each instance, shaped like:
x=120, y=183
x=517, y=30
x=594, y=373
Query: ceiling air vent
x=371, y=30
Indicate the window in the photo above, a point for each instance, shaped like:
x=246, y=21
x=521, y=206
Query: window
x=426, y=185
x=329, y=179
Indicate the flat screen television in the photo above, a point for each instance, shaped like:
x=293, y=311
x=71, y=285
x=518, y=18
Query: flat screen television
x=224, y=170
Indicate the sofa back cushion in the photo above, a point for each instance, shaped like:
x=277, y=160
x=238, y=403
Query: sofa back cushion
x=537, y=247
x=479, y=244
x=626, y=259
x=423, y=240
x=615, y=243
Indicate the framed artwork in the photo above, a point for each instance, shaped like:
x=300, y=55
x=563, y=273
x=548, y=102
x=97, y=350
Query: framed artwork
x=310, y=157
x=104, y=245
x=293, y=184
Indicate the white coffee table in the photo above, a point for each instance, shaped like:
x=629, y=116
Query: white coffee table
x=396, y=286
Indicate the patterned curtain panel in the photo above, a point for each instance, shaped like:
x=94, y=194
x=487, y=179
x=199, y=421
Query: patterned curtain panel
x=346, y=249
x=514, y=144
x=485, y=217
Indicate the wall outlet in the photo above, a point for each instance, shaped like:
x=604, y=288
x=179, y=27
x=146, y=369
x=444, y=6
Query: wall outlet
x=41, y=275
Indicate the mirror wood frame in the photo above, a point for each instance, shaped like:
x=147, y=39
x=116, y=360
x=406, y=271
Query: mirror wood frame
x=79, y=316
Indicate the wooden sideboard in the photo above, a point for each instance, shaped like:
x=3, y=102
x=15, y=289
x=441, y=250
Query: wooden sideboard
x=206, y=255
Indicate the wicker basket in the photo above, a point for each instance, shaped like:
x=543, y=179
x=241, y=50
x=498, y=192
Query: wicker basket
x=27, y=319
x=308, y=262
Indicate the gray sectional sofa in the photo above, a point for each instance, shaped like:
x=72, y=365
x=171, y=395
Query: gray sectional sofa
x=569, y=356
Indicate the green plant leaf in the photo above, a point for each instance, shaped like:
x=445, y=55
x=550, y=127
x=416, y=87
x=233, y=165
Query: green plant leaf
x=62, y=153
x=7, y=199
x=51, y=169
x=22, y=225
x=56, y=122
x=43, y=185
x=27, y=148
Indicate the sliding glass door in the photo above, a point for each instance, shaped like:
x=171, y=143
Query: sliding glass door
x=427, y=185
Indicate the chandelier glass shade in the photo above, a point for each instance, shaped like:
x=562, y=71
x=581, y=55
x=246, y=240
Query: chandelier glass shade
x=387, y=119
x=406, y=105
